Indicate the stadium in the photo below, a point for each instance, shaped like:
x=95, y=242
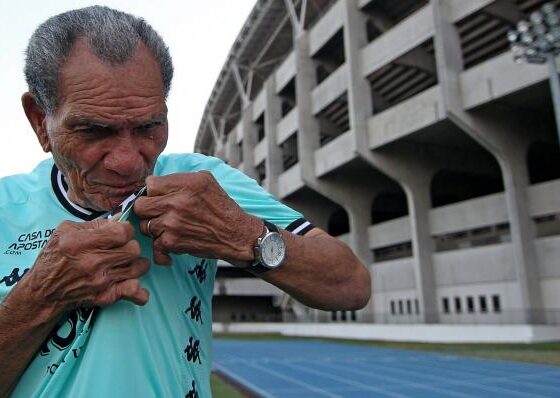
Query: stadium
x=406, y=129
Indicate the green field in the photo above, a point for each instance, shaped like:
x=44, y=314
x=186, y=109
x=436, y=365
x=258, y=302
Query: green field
x=222, y=389
x=543, y=353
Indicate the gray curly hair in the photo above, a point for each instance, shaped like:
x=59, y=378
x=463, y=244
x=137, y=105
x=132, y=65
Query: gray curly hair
x=113, y=36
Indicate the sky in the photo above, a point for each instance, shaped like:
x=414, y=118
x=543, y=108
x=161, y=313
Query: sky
x=199, y=34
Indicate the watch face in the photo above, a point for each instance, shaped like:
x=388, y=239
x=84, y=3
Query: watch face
x=273, y=250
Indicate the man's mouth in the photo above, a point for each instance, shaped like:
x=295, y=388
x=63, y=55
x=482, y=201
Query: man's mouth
x=113, y=190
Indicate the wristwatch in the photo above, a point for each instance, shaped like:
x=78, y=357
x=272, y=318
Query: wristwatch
x=269, y=249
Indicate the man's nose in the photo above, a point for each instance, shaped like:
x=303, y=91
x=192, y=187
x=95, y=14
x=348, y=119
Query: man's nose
x=124, y=157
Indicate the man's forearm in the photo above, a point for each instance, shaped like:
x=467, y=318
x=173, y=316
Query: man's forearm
x=23, y=328
x=322, y=272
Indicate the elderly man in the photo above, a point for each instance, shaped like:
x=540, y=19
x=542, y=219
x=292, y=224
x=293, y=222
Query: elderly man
x=84, y=311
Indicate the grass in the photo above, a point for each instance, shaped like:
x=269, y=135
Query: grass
x=222, y=389
x=542, y=353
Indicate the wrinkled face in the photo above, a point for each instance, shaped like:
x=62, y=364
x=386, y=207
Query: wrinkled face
x=109, y=127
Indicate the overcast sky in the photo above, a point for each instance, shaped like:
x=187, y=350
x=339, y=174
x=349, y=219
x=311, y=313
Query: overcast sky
x=199, y=34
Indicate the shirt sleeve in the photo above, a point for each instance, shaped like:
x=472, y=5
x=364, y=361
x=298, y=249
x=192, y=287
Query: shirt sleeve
x=255, y=200
x=248, y=194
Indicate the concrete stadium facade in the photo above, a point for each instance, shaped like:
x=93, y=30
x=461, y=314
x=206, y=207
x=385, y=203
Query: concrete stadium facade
x=405, y=129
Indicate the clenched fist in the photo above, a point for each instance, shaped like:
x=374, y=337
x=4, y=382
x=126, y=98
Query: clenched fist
x=89, y=263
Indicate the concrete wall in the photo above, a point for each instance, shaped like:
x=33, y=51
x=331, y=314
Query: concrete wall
x=410, y=332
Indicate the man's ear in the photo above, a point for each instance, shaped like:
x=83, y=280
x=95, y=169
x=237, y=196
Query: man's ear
x=37, y=119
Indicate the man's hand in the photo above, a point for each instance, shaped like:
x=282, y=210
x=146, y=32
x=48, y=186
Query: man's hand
x=91, y=263
x=191, y=213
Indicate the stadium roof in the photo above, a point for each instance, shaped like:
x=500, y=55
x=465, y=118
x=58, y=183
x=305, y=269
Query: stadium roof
x=262, y=44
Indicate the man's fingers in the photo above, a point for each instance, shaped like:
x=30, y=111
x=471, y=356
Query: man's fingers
x=153, y=230
x=135, y=269
x=116, y=283
x=158, y=187
x=162, y=258
x=105, y=235
x=161, y=185
x=146, y=207
x=119, y=233
x=131, y=290
x=161, y=255
x=121, y=255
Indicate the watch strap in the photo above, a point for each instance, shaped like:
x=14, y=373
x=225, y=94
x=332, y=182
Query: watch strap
x=271, y=227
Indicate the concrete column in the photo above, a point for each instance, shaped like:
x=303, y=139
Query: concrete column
x=504, y=137
x=512, y=136
x=250, y=140
x=357, y=203
x=403, y=169
x=356, y=199
x=219, y=150
x=359, y=97
x=414, y=168
x=232, y=150
x=523, y=234
x=359, y=218
x=308, y=134
x=419, y=205
x=272, y=115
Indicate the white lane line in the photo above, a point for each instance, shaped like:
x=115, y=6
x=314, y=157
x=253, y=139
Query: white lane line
x=442, y=380
x=296, y=381
x=479, y=376
x=362, y=386
x=403, y=382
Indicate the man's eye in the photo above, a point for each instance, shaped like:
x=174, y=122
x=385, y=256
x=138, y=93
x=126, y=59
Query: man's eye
x=148, y=126
x=95, y=130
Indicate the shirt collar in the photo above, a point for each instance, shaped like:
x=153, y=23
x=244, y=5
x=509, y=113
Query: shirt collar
x=60, y=188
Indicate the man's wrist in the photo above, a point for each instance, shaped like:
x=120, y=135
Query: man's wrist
x=23, y=303
x=255, y=231
x=246, y=255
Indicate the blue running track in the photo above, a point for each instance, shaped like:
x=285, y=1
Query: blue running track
x=309, y=369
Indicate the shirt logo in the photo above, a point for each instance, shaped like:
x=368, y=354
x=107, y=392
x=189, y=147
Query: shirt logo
x=14, y=277
x=29, y=241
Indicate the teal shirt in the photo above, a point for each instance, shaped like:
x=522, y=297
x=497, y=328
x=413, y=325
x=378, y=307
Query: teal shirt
x=162, y=349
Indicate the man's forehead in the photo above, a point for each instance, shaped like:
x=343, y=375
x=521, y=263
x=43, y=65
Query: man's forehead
x=82, y=61
x=92, y=90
